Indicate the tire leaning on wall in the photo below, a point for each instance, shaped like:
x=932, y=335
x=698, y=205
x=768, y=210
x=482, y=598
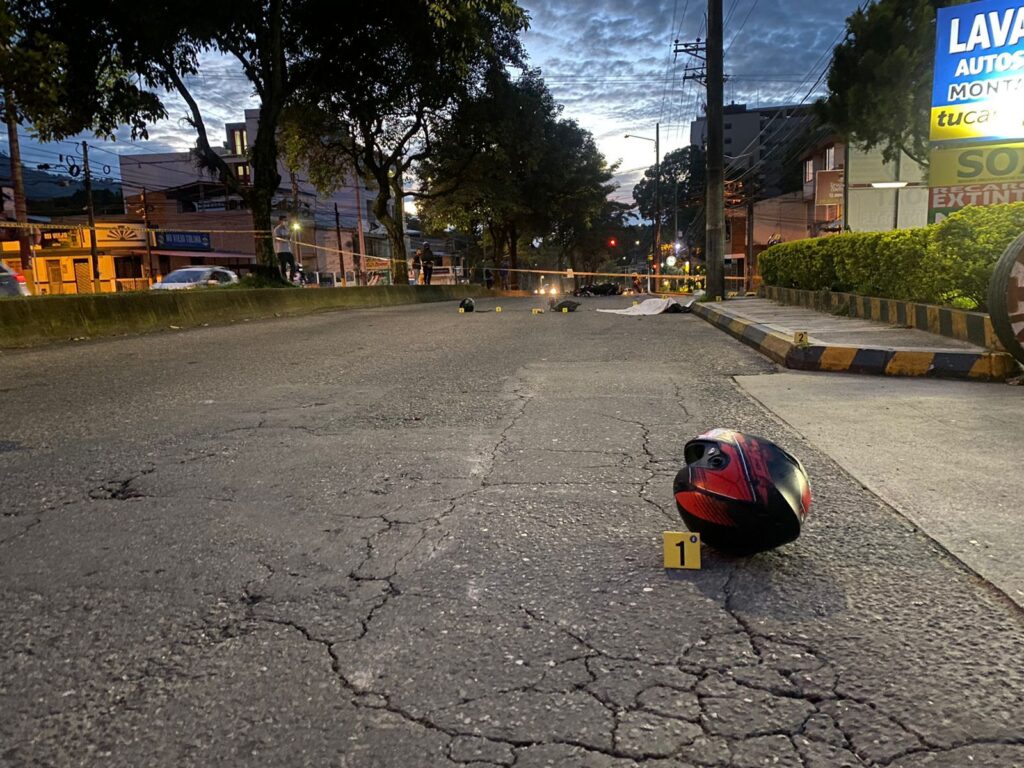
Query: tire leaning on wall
x=1006, y=299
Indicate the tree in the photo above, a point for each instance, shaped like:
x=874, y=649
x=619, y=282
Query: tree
x=59, y=91
x=682, y=191
x=509, y=166
x=880, y=79
x=160, y=41
x=377, y=97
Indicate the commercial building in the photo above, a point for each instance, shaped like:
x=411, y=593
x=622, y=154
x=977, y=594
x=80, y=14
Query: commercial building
x=760, y=138
x=181, y=197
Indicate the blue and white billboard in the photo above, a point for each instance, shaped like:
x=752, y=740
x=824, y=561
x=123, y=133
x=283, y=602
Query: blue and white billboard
x=978, y=90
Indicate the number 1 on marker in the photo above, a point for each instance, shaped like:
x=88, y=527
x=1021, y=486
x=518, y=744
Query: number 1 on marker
x=681, y=550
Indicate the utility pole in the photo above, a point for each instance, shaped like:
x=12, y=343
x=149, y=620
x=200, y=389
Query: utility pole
x=715, y=197
x=657, y=205
x=92, y=218
x=149, y=247
x=748, y=262
x=360, y=277
x=341, y=254
x=18, y=183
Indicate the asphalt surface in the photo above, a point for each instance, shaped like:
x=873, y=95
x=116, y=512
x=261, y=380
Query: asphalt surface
x=409, y=537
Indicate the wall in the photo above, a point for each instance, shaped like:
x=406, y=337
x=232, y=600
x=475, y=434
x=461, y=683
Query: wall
x=873, y=210
x=32, y=321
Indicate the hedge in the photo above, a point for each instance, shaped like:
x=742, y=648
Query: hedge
x=946, y=263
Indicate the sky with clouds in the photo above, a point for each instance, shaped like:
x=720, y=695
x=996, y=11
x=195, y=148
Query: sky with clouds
x=608, y=62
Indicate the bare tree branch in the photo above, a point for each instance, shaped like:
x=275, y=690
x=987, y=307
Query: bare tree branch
x=215, y=160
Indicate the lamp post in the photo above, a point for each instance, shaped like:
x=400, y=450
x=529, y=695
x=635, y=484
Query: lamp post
x=657, y=196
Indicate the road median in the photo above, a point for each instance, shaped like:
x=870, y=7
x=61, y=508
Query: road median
x=777, y=341
x=48, y=319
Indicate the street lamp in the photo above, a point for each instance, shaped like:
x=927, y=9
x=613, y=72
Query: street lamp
x=657, y=192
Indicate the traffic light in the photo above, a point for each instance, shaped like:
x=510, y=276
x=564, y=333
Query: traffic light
x=612, y=242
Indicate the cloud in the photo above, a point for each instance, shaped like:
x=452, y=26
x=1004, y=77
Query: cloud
x=610, y=63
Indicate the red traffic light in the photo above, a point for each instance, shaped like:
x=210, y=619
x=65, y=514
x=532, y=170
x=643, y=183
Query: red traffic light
x=612, y=242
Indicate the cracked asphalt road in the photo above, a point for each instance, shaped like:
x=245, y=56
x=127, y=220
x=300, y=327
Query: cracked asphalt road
x=409, y=537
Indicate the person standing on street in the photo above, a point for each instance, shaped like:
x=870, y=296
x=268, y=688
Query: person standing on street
x=427, y=259
x=283, y=248
x=417, y=263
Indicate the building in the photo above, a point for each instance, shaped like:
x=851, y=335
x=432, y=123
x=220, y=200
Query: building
x=848, y=189
x=182, y=198
x=761, y=139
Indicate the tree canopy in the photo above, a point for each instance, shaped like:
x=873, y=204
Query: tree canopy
x=508, y=166
x=880, y=79
x=373, y=100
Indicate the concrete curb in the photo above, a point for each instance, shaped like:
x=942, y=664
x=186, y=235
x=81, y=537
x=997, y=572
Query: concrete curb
x=963, y=325
x=27, y=322
x=879, y=361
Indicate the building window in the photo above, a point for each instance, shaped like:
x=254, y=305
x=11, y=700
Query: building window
x=239, y=142
x=808, y=171
x=728, y=140
x=830, y=158
x=728, y=126
x=244, y=173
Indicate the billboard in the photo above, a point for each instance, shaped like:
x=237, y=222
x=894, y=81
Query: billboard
x=976, y=164
x=828, y=188
x=978, y=90
x=944, y=200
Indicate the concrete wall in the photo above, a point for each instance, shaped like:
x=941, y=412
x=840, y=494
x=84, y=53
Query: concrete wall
x=29, y=322
x=874, y=210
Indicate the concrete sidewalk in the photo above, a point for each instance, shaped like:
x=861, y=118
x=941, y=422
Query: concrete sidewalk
x=945, y=454
x=854, y=345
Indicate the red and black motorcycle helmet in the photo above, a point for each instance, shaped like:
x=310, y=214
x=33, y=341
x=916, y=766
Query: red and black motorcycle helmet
x=743, y=494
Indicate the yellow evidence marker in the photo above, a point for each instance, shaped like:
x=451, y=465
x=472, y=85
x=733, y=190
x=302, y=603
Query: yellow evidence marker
x=800, y=338
x=497, y=310
x=565, y=310
x=462, y=311
x=536, y=311
x=681, y=550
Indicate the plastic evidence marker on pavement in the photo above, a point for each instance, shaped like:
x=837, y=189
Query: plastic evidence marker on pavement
x=497, y=310
x=800, y=338
x=536, y=311
x=681, y=550
x=565, y=310
x=462, y=311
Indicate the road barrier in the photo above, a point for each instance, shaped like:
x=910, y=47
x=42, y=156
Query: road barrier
x=28, y=322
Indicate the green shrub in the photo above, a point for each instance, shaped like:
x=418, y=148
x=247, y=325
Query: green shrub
x=948, y=263
x=799, y=264
x=970, y=242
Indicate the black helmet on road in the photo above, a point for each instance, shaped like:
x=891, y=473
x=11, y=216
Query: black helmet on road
x=467, y=305
x=743, y=494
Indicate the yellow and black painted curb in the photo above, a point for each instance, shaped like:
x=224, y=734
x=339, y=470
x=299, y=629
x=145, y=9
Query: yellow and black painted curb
x=881, y=361
x=972, y=327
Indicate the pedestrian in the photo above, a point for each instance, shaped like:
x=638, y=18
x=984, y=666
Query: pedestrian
x=488, y=278
x=417, y=263
x=283, y=248
x=636, y=284
x=427, y=260
x=503, y=274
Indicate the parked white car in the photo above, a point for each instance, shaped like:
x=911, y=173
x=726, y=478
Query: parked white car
x=196, y=277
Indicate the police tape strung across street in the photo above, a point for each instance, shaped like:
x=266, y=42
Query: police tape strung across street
x=384, y=262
